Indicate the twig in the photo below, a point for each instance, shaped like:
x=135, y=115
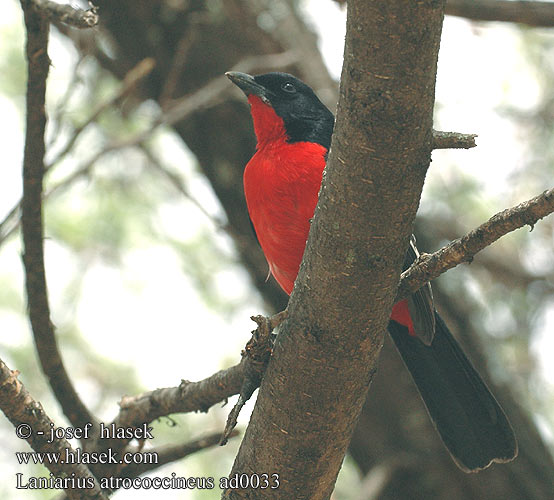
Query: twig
x=31, y=218
x=195, y=20
x=529, y=13
x=179, y=184
x=181, y=53
x=430, y=266
x=168, y=454
x=189, y=396
x=10, y=222
x=61, y=107
x=131, y=80
x=34, y=425
x=453, y=140
x=257, y=351
x=72, y=16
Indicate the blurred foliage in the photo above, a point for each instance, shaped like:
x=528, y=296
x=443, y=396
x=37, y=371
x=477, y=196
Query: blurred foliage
x=12, y=65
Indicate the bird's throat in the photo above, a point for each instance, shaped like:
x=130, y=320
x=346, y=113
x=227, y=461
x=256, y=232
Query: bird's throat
x=268, y=125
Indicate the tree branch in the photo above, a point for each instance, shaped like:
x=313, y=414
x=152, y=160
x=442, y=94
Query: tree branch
x=72, y=16
x=32, y=224
x=538, y=14
x=168, y=454
x=198, y=396
x=33, y=425
x=453, y=140
x=131, y=80
x=188, y=397
x=258, y=351
x=430, y=266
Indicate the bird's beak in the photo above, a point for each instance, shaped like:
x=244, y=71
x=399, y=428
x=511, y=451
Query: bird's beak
x=248, y=85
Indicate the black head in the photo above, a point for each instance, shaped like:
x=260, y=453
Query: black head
x=305, y=117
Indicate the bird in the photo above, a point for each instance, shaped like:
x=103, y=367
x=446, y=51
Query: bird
x=282, y=180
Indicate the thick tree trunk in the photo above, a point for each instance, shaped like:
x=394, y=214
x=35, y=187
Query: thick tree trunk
x=326, y=353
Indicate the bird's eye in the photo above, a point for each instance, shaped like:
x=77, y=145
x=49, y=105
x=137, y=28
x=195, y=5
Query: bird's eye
x=288, y=87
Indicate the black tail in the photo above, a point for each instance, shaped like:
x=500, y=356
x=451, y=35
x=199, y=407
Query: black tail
x=470, y=422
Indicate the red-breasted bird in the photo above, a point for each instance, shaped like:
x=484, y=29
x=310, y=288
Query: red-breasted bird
x=281, y=183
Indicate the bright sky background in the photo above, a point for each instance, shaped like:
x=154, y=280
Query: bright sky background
x=120, y=320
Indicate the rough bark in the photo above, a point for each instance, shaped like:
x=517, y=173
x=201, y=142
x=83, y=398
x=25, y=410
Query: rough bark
x=38, y=64
x=327, y=351
x=33, y=424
